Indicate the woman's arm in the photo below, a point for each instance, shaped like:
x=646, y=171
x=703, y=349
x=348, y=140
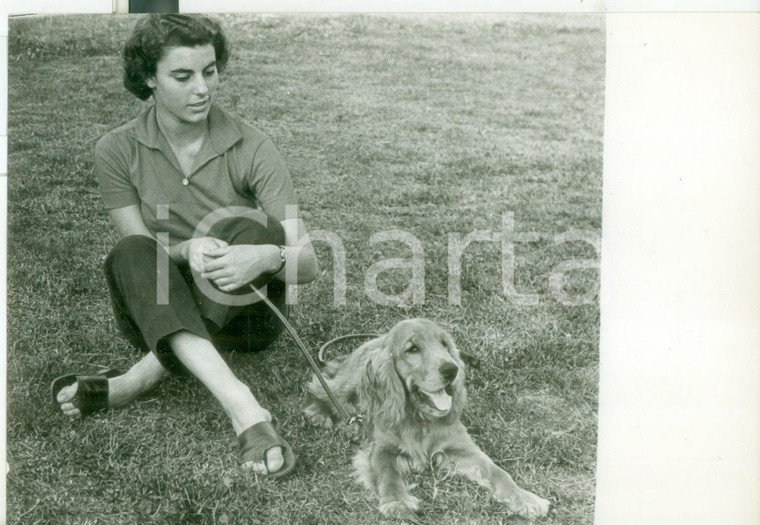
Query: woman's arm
x=232, y=267
x=128, y=221
x=301, y=261
x=269, y=180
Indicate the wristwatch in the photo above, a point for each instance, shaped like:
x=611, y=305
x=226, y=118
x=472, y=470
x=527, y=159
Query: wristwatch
x=282, y=261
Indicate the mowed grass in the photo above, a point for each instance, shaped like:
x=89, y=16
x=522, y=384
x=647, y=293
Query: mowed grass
x=433, y=125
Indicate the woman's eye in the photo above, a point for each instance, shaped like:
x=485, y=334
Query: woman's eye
x=209, y=73
x=182, y=78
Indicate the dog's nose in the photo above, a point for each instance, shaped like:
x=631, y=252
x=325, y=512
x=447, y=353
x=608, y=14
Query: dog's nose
x=449, y=371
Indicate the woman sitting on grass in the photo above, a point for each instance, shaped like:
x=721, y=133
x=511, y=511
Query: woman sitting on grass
x=182, y=183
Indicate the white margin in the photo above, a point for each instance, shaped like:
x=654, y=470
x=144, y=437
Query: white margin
x=674, y=371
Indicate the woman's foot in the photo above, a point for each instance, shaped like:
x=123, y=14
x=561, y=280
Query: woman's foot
x=120, y=392
x=202, y=360
x=245, y=412
x=143, y=376
x=255, y=444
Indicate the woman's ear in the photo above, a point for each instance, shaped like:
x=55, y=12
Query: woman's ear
x=151, y=82
x=382, y=390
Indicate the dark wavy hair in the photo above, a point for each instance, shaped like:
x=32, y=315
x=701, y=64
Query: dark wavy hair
x=156, y=33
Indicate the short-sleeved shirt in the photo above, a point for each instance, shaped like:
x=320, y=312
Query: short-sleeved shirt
x=236, y=166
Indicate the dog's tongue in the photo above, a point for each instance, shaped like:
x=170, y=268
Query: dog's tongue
x=440, y=399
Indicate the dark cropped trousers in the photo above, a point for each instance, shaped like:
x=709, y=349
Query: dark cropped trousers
x=147, y=317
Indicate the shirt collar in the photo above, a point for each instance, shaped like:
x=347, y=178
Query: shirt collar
x=223, y=130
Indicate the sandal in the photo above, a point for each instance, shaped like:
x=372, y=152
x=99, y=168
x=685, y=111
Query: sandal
x=254, y=442
x=92, y=390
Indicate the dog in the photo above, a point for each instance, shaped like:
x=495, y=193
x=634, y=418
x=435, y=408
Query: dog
x=410, y=386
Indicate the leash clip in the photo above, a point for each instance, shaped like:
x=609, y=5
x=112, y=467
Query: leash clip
x=357, y=419
x=354, y=429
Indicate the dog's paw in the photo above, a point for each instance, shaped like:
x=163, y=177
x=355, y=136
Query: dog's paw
x=314, y=411
x=405, y=508
x=524, y=503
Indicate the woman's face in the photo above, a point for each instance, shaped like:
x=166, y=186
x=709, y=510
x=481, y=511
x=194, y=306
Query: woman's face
x=185, y=82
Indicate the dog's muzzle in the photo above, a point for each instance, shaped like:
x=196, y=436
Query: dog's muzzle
x=439, y=400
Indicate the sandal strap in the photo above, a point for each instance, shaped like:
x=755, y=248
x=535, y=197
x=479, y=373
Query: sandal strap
x=256, y=440
x=92, y=394
x=261, y=436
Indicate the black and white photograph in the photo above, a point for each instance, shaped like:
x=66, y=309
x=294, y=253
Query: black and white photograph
x=306, y=267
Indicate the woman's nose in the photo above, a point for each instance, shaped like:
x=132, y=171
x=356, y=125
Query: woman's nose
x=201, y=87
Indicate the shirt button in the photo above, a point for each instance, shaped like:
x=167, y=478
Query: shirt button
x=185, y=182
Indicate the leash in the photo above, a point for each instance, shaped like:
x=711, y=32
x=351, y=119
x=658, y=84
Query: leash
x=357, y=420
x=338, y=407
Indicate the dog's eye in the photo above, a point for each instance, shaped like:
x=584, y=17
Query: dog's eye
x=412, y=349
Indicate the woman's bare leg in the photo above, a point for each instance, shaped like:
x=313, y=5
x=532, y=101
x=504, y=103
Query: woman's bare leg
x=202, y=360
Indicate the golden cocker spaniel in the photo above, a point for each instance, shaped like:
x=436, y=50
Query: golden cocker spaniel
x=409, y=384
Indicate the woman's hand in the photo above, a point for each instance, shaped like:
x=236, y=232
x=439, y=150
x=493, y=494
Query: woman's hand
x=197, y=251
x=232, y=267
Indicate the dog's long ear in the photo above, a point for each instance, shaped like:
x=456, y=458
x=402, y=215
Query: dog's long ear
x=460, y=357
x=381, y=388
x=470, y=360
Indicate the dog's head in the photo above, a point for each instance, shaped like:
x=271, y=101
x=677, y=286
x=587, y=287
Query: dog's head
x=416, y=367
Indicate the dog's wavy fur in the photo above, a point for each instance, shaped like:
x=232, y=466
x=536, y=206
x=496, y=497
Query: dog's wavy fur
x=386, y=380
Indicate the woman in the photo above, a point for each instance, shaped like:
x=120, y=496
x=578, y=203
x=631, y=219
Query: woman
x=175, y=182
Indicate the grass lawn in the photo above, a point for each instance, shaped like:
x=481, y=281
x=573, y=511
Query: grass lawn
x=433, y=125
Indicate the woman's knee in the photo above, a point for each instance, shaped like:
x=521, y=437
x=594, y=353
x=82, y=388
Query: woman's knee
x=133, y=251
x=245, y=230
x=133, y=245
